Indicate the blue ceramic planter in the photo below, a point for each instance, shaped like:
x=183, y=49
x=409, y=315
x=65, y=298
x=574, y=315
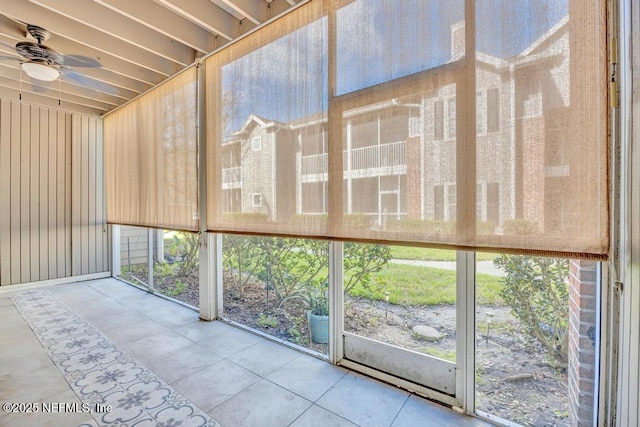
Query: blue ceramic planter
x=319, y=327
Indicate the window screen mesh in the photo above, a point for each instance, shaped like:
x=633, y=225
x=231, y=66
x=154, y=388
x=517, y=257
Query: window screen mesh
x=439, y=123
x=151, y=169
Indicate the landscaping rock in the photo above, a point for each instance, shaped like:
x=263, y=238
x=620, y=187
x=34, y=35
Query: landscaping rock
x=427, y=333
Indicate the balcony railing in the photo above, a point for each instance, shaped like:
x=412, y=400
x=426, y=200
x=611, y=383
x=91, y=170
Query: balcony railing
x=378, y=156
x=232, y=177
x=364, y=158
x=314, y=164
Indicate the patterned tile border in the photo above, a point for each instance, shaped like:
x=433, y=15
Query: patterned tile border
x=102, y=374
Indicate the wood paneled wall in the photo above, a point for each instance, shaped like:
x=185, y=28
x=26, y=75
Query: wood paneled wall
x=52, y=211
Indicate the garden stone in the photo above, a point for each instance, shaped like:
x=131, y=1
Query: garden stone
x=427, y=333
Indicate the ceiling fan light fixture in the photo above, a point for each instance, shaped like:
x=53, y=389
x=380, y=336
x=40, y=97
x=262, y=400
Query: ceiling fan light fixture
x=39, y=71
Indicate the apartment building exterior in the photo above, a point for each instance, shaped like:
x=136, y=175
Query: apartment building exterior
x=401, y=152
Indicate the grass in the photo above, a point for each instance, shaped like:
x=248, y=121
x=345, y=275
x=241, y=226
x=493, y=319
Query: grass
x=449, y=355
x=411, y=285
x=428, y=254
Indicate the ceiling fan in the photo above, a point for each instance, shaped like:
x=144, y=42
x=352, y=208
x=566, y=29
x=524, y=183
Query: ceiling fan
x=44, y=65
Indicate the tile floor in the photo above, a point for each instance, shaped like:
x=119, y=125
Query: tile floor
x=212, y=372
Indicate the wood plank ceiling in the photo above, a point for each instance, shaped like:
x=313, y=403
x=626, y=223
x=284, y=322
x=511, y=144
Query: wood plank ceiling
x=138, y=44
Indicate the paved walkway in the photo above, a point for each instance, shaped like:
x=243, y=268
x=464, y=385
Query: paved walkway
x=483, y=267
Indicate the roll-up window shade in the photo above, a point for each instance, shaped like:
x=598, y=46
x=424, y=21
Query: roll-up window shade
x=453, y=123
x=151, y=158
x=267, y=134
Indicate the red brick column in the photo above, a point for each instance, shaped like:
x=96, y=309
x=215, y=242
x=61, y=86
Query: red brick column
x=582, y=336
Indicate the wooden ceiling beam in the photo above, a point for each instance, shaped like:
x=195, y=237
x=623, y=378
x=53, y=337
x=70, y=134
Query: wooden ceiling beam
x=164, y=21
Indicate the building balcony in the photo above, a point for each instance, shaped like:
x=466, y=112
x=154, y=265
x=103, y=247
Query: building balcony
x=231, y=178
x=363, y=162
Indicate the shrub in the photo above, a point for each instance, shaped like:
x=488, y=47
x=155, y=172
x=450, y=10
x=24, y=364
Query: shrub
x=520, y=227
x=182, y=249
x=268, y=321
x=536, y=290
x=357, y=221
x=313, y=298
x=291, y=265
x=351, y=221
x=422, y=226
x=176, y=289
x=242, y=257
x=485, y=227
x=246, y=218
x=360, y=261
x=303, y=220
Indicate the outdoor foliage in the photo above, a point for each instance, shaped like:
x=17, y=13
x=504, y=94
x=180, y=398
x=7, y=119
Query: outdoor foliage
x=536, y=290
x=183, y=249
x=293, y=263
x=422, y=226
x=293, y=266
x=361, y=261
x=241, y=257
x=313, y=299
x=520, y=227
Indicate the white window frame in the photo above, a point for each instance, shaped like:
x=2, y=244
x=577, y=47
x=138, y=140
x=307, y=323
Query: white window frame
x=253, y=200
x=482, y=111
x=452, y=120
x=256, y=143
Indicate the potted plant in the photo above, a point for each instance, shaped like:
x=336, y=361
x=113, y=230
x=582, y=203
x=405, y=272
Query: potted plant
x=316, y=303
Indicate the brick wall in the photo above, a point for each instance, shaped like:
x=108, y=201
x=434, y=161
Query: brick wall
x=414, y=176
x=582, y=335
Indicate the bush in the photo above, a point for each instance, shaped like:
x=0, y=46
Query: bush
x=351, y=221
x=182, y=249
x=246, y=218
x=536, y=289
x=520, y=227
x=357, y=221
x=361, y=261
x=303, y=220
x=291, y=265
x=485, y=228
x=242, y=258
x=422, y=226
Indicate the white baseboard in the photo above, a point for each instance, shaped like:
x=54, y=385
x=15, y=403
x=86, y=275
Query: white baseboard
x=53, y=282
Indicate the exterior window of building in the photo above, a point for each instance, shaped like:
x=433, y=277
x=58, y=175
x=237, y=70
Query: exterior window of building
x=257, y=200
x=479, y=202
x=493, y=202
x=256, y=143
x=451, y=106
x=414, y=122
x=438, y=202
x=451, y=202
x=438, y=120
x=493, y=110
x=481, y=108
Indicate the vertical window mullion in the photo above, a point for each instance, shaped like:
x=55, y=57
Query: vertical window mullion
x=466, y=213
x=466, y=135
x=336, y=301
x=465, y=329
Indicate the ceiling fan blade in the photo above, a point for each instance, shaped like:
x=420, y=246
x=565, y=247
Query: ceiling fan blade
x=8, y=46
x=80, y=61
x=40, y=86
x=89, y=82
x=12, y=58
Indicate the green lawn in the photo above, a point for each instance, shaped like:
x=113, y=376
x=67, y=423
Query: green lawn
x=427, y=254
x=411, y=285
